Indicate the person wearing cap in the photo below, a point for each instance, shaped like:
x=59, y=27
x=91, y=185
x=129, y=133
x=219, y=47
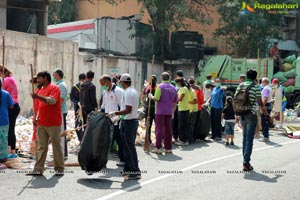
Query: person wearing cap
x=166, y=98
x=266, y=95
x=279, y=100
x=242, y=78
x=58, y=76
x=207, y=91
x=129, y=126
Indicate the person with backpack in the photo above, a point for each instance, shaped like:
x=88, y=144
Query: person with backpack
x=6, y=103
x=111, y=102
x=74, y=97
x=229, y=116
x=245, y=99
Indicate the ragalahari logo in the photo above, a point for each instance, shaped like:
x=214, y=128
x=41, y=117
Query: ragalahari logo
x=246, y=8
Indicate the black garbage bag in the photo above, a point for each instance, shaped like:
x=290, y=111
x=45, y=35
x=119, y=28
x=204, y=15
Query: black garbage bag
x=96, y=143
x=203, y=125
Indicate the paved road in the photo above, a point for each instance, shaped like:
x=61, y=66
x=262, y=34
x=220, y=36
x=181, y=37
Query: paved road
x=204, y=170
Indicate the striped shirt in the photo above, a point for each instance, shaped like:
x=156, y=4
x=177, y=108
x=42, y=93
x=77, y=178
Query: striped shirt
x=254, y=93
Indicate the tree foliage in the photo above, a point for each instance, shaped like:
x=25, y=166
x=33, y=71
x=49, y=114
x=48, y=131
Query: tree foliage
x=61, y=11
x=171, y=15
x=246, y=32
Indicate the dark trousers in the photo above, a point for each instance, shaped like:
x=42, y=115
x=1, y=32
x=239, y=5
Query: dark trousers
x=151, y=119
x=117, y=137
x=192, y=125
x=175, y=125
x=128, y=135
x=264, y=122
x=216, y=126
x=65, y=128
x=85, y=112
x=13, y=114
x=183, y=126
x=163, y=131
x=78, y=123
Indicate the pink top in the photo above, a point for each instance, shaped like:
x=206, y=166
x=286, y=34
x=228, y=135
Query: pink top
x=10, y=85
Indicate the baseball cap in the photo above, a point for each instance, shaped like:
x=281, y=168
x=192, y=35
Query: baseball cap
x=242, y=75
x=275, y=81
x=125, y=78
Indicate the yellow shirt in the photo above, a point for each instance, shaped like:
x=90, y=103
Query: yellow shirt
x=193, y=107
x=183, y=105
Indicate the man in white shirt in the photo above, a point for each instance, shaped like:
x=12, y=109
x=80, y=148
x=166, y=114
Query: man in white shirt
x=129, y=126
x=111, y=102
x=266, y=95
x=207, y=91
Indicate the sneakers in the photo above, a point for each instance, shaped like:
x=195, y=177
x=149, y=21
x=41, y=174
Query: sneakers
x=59, y=173
x=12, y=156
x=35, y=173
x=231, y=143
x=180, y=143
x=264, y=140
x=120, y=164
x=247, y=167
x=132, y=177
x=169, y=151
x=157, y=151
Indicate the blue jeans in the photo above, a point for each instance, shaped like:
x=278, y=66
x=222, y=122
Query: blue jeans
x=249, y=122
x=216, y=126
x=128, y=136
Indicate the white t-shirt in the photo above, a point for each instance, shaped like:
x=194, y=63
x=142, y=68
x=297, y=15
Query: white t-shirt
x=207, y=92
x=130, y=98
x=267, y=92
x=112, y=99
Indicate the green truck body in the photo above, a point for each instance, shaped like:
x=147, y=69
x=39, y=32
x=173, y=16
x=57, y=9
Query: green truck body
x=229, y=69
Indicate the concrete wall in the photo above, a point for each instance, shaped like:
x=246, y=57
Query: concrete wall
x=44, y=53
x=3, y=14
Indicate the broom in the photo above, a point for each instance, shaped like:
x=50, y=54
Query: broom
x=148, y=131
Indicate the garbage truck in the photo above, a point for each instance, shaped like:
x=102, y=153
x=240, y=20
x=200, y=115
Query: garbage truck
x=229, y=69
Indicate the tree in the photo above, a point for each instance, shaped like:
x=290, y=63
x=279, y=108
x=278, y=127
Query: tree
x=245, y=31
x=62, y=11
x=171, y=15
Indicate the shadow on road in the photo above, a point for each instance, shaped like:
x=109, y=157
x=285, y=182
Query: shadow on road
x=97, y=183
x=40, y=182
x=254, y=176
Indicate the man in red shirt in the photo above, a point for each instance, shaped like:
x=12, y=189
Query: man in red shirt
x=49, y=121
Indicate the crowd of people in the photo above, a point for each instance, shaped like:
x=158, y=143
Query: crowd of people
x=174, y=106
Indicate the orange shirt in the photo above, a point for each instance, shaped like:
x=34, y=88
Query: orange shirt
x=49, y=115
